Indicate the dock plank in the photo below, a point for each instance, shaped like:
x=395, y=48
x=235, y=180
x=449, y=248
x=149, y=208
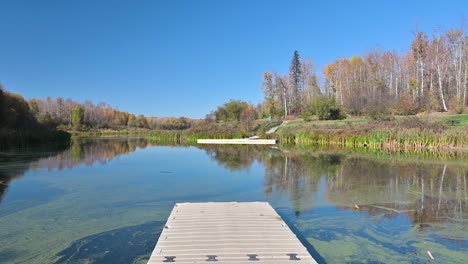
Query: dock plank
x=232, y=232
x=245, y=141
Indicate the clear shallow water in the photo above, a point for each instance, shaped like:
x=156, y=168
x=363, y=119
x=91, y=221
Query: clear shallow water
x=106, y=200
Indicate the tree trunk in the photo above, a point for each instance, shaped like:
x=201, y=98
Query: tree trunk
x=459, y=72
x=465, y=83
x=285, y=102
x=441, y=185
x=422, y=78
x=285, y=174
x=431, y=84
x=396, y=86
x=422, y=195
x=439, y=73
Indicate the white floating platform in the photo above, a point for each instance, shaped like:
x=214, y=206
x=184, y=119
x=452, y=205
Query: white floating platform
x=245, y=141
x=228, y=233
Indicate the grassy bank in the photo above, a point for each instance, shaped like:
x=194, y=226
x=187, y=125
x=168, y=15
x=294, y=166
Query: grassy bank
x=22, y=138
x=398, y=134
x=208, y=130
x=415, y=133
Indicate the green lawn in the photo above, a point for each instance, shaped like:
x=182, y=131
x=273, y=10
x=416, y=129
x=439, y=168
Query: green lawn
x=463, y=119
x=444, y=117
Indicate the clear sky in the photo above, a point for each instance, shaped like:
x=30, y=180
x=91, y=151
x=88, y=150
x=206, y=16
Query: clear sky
x=184, y=58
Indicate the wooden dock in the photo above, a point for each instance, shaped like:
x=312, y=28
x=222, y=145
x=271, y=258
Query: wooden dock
x=228, y=233
x=245, y=141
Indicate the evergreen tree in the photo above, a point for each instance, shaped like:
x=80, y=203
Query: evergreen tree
x=296, y=78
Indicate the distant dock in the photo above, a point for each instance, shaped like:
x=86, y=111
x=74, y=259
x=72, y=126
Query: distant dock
x=241, y=233
x=244, y=141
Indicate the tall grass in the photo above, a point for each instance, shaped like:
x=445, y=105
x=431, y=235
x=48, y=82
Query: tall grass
x=406, y=134
x=188, y=137
x=391, y=139
x=110, y=133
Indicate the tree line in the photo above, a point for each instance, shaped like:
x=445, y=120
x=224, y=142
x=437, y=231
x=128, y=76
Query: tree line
x=66, y=114
x=431, y=76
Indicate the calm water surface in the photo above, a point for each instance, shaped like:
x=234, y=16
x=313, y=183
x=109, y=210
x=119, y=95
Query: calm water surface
x=106, y=200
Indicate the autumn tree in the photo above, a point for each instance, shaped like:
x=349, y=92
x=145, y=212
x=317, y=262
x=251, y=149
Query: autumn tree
x=172, y=123
x=268, y=88
x=440, y=64
x=419, y=49
x=14, y=111
x=247, y=117
x=142, y=122
x=230, y=111
x=311, y=87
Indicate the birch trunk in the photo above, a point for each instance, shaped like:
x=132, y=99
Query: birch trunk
x=465, y=83
x=439, y=73
x=422, y=78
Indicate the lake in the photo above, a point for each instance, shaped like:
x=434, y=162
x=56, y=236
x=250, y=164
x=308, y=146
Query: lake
x=106, y=200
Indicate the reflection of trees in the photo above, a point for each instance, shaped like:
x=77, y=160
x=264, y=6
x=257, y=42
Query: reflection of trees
x=298, y=174
x=235, y=157
x=426, y=193
x=443, y=197
x=88, y=151
x=14, y=165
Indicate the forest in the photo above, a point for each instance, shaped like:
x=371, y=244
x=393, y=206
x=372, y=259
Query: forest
x=431, y=76
x=69, y=115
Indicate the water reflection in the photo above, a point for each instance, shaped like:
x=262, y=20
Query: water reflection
x=425, y=192
x=234, y=157
x=14, y=164
x=395, y=195
x=332, y=198
x=89, y=151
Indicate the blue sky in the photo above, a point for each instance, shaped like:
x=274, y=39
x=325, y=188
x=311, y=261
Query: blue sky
x=184, y=58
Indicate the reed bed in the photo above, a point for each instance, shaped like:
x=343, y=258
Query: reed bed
x=390, y=139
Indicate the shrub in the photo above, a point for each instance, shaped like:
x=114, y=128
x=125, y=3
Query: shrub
x=172, y=123
x=456, y=106
x=326, y=108
x=459, y=110
x=406, y=106
x=379, y=111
